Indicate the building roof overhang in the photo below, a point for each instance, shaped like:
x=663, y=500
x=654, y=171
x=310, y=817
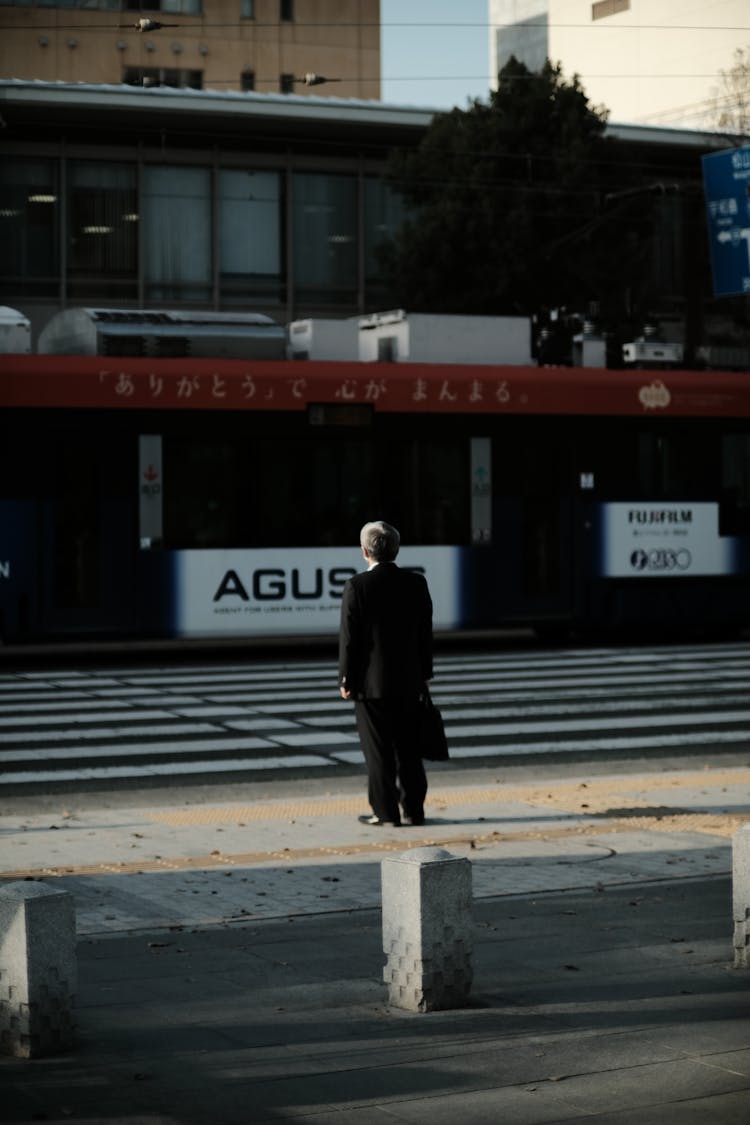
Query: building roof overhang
x=138, y=110
x=121, y=111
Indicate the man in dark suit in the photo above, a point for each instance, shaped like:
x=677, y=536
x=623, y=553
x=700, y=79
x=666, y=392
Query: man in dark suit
x=385, y=660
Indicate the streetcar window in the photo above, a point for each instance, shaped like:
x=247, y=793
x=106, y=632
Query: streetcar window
x=310, y=492
x=630, y=462
x=441, y=493
x=301, y=485
x=275, y=491
x=676, y=464
x=204, y=484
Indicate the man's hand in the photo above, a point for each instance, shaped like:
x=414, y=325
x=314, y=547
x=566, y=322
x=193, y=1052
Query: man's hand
x=345, y=693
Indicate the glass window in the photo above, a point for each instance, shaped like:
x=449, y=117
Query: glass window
x=385, y=212
x=325, y=238
x=102, y=229
x=247, y=9
x=250, y=233
x=183, y=7
x=102, y=5
x=600, y=9
x=29, y=225
x=177, y=233
x=163, y=76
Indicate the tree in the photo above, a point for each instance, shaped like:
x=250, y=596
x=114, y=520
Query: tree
x=504, y=202
x=730, y=107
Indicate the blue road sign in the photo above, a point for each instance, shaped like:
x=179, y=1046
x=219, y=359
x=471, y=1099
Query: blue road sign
x=726, y=180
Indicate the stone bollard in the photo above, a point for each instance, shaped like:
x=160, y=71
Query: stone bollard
x=37, y=970
x=741, y=896
x=427, y=936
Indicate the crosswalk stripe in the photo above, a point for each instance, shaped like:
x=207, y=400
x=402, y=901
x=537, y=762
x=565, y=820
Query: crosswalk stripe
x=577, y=746
x=33, y=720
x=139, y=749
x=682, y=719
x=81, y=734
x=164, y=769
x=130, y=723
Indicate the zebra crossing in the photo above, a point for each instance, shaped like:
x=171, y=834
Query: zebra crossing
x=236, y=721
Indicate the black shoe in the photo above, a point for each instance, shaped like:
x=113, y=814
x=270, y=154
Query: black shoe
x=376, y=822
x=412, y=821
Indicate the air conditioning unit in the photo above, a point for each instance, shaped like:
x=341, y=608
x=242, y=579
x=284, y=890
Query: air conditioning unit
x=153, y=332
x=15, y=332
x=724, y=357
x=652, y=352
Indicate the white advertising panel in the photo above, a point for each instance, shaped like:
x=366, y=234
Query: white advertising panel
x=291, y=591
x=666, y=540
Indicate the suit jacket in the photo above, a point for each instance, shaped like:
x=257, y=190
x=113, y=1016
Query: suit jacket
x=385, y=640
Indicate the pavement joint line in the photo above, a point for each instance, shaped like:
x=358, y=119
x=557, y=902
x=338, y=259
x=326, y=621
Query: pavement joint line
x=219, y=860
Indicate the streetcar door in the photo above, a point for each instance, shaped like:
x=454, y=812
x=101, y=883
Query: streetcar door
x=545, y=558
x=532, y=523
x=86, y=536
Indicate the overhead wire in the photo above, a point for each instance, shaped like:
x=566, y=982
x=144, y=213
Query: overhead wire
x=696, y=109
x=249, y=22
x=273, y=80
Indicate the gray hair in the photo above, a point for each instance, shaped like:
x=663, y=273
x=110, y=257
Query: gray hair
x=380, y=541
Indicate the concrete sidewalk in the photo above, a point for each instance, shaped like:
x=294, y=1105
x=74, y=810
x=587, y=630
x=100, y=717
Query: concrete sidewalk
x=230, y=959
x=207, y=862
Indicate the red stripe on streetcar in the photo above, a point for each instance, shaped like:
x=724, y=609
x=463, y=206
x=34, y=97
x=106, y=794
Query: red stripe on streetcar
x=104, y=382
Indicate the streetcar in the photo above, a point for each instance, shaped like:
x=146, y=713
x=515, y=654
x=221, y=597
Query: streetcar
x=220, y=498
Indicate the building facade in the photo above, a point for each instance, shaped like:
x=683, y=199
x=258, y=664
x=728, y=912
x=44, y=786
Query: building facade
x=182, y=198
x=265, y=45
x=653, y=62
x=125, y=197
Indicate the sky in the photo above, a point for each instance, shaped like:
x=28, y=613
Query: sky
x=434, y=53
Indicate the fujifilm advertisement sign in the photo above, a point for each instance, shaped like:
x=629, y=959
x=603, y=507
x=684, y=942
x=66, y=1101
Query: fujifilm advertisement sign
x=663, y=541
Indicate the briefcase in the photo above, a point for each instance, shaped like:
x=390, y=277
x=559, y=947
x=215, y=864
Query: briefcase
x=433, y=744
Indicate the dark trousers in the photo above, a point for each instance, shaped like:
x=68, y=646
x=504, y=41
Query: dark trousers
x=388, y=735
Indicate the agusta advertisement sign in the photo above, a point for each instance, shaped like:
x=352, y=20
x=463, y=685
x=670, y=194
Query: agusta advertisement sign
x=272, y=591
